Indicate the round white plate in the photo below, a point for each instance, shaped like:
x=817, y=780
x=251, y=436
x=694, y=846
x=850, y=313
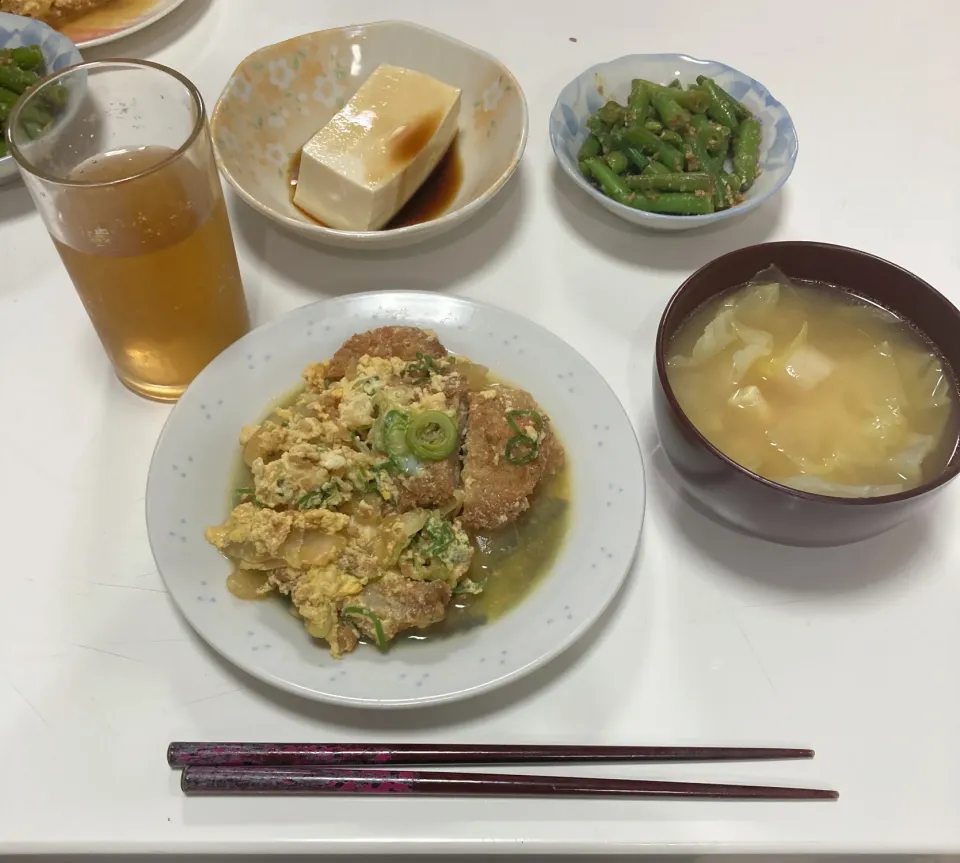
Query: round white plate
x=88, y=31
x=190, y=479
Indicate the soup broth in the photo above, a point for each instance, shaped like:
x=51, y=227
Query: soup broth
x=816, y=389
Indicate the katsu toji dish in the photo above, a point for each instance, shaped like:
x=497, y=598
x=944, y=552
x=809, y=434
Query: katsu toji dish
x=402, y=490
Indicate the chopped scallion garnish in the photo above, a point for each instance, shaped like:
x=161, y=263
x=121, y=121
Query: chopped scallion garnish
x=523, y=447
x=381, y=638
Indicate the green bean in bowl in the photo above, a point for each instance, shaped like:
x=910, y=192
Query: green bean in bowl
x=670, y=142
x=21, y=68
x=708, y=142
x=30, y=50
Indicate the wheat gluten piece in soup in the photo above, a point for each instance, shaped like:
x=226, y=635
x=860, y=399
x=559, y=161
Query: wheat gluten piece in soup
x=402, y=491
x=815, y=388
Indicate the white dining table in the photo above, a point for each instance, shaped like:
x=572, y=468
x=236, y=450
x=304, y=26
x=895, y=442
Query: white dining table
x=716, y=638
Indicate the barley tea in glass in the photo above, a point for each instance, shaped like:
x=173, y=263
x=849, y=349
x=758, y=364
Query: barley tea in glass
x=121, y=167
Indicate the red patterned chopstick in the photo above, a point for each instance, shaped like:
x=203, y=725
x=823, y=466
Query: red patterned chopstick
x=326, y=780
x=182, y=754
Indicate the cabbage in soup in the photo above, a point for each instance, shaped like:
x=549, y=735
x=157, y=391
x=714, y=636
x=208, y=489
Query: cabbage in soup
x=816, y=389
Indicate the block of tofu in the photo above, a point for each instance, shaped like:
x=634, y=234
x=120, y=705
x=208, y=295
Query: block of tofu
x=366, y=163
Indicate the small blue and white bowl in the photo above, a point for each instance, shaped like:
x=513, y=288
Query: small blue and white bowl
x=591, y=89
x=58, y=51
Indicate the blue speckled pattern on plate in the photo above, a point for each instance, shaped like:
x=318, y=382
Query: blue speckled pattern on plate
x=192, y=468
x=588, y=92
x=58, y=51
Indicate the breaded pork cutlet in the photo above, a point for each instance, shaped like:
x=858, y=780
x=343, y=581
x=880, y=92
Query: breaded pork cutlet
x=435, y=483
x=496, y=491
x=398, y=603
x=403, y=342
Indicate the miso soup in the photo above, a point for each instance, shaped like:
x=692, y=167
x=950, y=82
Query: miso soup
x=816, y=389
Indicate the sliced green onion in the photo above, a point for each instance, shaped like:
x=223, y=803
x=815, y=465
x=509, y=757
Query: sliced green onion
x=440, y=535
x=313, y=499
x=514, y=418
x=390, y=436
x=241, y=493
x=377, y=625
x=372, y=481
x=395, y=434
x=367, y=385
x=432, y=435
x=421, y=369
x=389, y=433
x=521, y=450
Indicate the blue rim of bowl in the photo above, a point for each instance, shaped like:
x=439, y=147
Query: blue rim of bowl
x=33, y=22
x=747, y=206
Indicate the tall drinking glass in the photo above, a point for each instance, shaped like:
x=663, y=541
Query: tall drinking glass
x=117, y=157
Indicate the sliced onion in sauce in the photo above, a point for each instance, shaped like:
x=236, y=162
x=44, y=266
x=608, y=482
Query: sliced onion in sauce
x=320, y=548
x=248, y=584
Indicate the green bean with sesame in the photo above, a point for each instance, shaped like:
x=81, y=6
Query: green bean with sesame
x=673, y=149
x=20, y=69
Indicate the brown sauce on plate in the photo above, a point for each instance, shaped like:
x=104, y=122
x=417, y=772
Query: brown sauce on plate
x=429, y=202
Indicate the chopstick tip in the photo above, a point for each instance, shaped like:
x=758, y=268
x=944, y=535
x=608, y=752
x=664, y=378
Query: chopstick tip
x=823, y=794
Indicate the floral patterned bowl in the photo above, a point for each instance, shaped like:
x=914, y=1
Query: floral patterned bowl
x=281, y=95
x=589, y=90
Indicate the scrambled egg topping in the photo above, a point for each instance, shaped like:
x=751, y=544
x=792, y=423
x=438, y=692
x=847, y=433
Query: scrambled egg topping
x=325, y=516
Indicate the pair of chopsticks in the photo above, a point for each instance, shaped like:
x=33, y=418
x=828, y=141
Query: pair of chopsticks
x=365, y=768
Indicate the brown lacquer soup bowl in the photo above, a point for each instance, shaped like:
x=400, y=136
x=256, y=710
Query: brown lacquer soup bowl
x=743, y=499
